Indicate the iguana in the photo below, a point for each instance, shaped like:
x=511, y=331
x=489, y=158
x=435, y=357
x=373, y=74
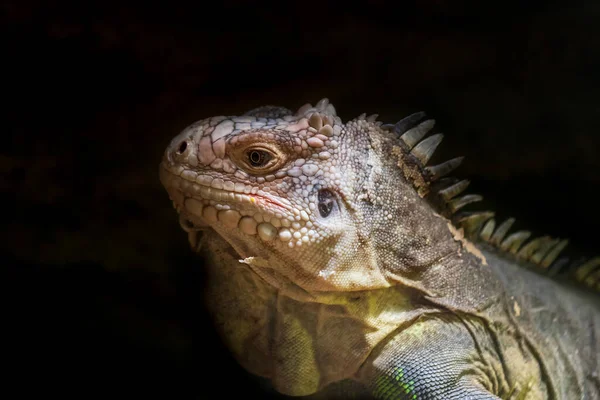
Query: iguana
x=341, y=266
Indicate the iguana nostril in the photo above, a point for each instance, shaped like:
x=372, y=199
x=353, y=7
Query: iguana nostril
x=182, y=147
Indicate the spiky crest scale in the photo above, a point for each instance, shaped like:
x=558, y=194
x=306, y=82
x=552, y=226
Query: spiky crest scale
x=480, y=226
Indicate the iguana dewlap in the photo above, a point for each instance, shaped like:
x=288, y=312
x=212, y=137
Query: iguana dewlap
x=339, y=266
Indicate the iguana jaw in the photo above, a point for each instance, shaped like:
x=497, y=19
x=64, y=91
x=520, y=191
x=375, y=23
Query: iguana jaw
x=270, y=235
x=250, y=211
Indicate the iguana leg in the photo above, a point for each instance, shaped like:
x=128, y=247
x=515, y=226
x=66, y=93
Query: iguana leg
x=433, y=359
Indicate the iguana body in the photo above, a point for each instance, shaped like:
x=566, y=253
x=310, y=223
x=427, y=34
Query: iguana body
x=336, y=270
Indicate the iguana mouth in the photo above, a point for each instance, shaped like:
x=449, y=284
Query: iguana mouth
x=204, y=199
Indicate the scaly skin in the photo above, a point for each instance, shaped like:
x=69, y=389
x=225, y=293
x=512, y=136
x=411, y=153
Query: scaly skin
x=333, y=274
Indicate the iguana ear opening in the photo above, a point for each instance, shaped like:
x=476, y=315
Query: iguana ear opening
x=326, y=202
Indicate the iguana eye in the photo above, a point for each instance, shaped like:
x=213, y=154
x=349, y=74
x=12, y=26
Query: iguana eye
x=258, y=158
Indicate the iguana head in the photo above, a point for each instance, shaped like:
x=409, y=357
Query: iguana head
x=302, y=196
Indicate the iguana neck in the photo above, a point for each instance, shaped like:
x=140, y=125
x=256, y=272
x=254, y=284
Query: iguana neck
x=267, y=320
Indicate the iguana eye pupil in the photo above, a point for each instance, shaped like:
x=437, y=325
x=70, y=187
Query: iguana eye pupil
x=326, y=202
x=258, y=158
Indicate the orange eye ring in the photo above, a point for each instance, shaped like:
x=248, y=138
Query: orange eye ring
x=259, y=159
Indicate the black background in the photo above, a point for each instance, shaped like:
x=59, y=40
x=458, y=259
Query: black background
x=102, y=294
